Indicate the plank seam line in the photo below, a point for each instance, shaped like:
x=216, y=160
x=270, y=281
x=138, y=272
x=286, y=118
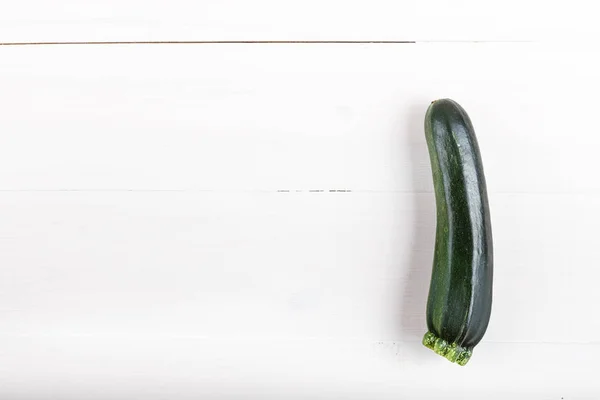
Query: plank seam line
x=253, y=42
x=210, y=42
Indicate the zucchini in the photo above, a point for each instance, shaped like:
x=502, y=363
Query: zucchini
x=460, y=294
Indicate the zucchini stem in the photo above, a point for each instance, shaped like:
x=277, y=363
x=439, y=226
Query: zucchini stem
x=453, y=352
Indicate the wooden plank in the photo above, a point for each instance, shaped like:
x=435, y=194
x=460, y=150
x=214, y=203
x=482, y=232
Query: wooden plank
x=188, y=368
x=279, y=265
x=437, y=20
x=280, y=117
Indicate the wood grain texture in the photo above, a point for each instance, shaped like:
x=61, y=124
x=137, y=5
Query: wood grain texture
x=258, y=221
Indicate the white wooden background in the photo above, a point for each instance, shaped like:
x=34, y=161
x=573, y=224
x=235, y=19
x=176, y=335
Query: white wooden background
x=256, y=220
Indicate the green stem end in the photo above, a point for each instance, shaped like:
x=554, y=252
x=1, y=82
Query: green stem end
x=452, y=352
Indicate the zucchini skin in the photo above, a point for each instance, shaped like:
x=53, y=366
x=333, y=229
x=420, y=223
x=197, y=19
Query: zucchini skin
x=460, y=295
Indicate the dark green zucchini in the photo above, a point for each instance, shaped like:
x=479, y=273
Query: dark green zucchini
x=460, y=294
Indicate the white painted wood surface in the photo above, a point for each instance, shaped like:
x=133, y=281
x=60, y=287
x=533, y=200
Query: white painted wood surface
x=424, y=20
x=256, y=220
